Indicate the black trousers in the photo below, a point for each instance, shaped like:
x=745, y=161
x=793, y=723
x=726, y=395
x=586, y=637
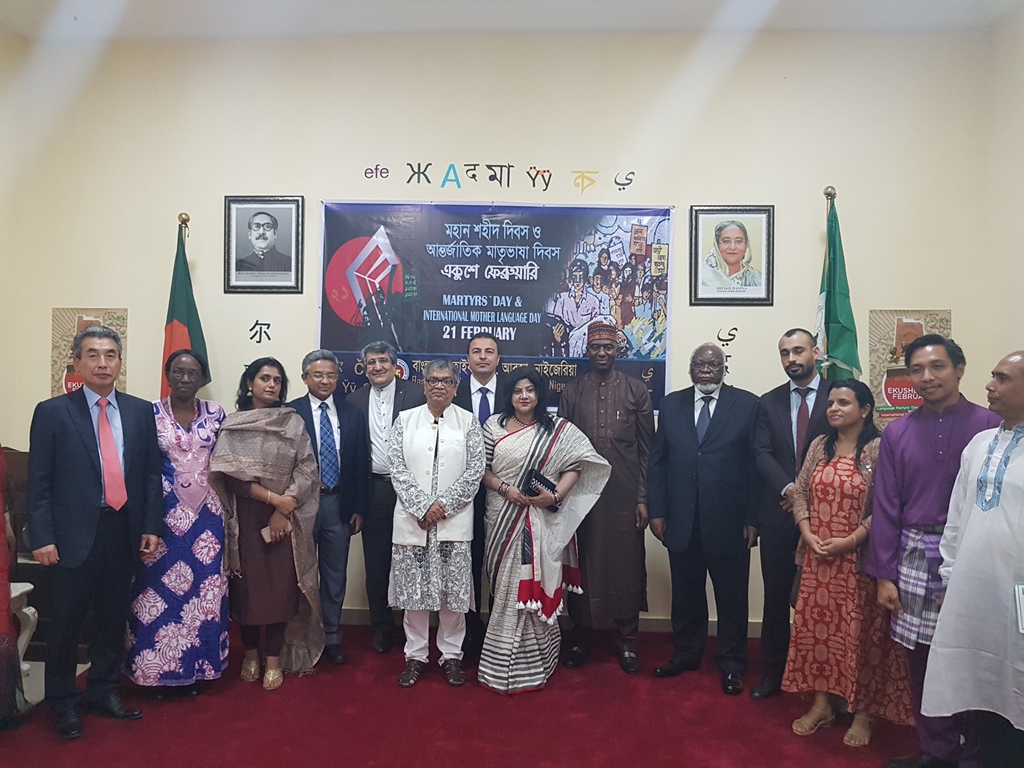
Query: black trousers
x=102, y=583
x=729, y=576
x=378, y=527
x=474, y=623
x=778, y=570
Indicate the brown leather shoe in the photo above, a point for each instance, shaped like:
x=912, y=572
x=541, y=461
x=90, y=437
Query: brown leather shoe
x=412, y=672
x=453, y=673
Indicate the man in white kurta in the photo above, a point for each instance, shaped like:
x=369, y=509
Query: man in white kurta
x=977, y=654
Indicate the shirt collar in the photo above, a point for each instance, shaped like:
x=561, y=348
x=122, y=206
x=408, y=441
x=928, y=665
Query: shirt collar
x=387, y=388
x=697, y=394
x=955, y=408
x=92, y=398
x=814, y=385
x=474, y=385
x=315, y=401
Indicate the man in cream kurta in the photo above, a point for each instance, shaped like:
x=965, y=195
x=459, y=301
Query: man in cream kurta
x=436, y=455
x=977, y=654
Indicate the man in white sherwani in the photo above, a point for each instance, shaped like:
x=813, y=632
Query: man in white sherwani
x=977, y=655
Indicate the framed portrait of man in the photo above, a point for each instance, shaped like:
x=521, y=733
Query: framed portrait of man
x=263, y=244
x=732, y=255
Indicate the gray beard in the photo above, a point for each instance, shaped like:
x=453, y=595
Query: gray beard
x=707, y=389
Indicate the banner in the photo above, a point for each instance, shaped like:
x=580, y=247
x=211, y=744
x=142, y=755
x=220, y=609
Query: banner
x=889, y=332
x=427, y=277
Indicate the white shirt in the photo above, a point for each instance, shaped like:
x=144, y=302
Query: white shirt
x=332, y=414
x=474, y=389
x=698, y=402
x=382, y=405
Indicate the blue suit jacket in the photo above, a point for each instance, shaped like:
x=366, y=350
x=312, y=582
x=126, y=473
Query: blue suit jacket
x=65, y=484
x=354, y=483
x=715, y=478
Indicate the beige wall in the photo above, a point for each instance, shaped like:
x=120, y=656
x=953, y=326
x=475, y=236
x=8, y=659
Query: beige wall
x=103, y=147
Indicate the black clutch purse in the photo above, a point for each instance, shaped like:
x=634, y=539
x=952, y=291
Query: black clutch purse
x=532, y=484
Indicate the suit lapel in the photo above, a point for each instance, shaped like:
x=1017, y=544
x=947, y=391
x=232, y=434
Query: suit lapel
x=785, y=416
x=78, y=410
x=127, y=429
x=396, y=407
x=686, y=412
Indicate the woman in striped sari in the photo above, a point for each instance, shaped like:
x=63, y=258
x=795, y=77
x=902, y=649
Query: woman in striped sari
x=530, y=552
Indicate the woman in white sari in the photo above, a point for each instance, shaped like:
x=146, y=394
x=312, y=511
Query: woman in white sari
x=530, y=552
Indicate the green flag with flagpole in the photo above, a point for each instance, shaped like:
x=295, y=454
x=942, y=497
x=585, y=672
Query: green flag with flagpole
x=837, y=331
x=182, y=329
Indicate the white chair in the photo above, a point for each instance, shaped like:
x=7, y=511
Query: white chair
x=27, y=616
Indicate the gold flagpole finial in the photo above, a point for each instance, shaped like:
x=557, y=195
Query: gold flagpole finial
x=830, y=193
x=184, y=218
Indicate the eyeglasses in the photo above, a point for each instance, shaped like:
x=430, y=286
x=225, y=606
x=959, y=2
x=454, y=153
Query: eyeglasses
x=708, y=366
x=432, y=382
x=266, y=226
x=317, y=376
x=179, y=374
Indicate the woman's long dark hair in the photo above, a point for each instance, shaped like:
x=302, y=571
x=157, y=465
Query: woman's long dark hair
x=540, y=384
x=244, y=399
x=868, y=431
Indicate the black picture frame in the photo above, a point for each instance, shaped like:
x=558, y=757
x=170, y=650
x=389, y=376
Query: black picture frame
x=754, y=282
x=246, y=269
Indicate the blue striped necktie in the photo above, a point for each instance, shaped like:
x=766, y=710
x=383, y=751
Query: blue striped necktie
x=330, y=471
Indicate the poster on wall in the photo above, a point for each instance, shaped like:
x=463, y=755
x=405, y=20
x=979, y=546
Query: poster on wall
x=889, y=332
x=427, y=277
x=65, y=322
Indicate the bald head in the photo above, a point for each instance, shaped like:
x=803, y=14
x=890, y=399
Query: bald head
x=1006, y=389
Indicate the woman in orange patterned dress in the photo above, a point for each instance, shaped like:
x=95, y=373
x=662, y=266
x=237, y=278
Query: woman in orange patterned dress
x=840, y=643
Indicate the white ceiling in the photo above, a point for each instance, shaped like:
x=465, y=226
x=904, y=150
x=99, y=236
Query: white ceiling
x=169, y=19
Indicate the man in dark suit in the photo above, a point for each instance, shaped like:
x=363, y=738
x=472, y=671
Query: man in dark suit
x=94, y=496
x=480, y=393
x=380, y=402
x=702, y=494
x=338, y=433
x=788, y=418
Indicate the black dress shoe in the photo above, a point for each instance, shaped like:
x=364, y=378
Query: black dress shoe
x=765, y=688
x=112, y=706
x=383, y=640
x=334, y=654
x=732, y=683
x=919, y=761
x=629, y=663
x=576, y=657
x=69, y=725
x=676, y=666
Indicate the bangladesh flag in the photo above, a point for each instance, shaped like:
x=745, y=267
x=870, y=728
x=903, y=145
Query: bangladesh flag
x=183, y=329
x=837, y=332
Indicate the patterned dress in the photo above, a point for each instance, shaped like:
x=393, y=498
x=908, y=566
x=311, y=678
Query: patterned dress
x=840, y=641
x=177, y=630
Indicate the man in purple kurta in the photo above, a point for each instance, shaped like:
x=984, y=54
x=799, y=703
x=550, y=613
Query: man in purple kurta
x=917, y=466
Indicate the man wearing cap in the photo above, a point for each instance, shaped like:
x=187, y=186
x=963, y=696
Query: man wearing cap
x=614, y=411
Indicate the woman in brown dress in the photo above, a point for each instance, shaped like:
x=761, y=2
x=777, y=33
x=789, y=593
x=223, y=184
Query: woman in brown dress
x=266, y=472
x=840, y=644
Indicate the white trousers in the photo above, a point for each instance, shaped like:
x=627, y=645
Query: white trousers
x=451, y=629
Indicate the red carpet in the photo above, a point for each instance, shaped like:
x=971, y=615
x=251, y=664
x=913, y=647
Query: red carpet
x=356, y=715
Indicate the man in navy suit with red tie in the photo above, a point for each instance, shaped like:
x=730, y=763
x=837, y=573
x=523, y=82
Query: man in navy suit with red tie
x=788, y=419
x=94, y=502
x=338, y=433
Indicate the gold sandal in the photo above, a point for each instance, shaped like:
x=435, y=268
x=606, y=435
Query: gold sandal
x=812, y=721
x=859, y=733
x=273, y=679
x=250, y=670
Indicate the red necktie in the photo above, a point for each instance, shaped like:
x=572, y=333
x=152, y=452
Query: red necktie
x=113, y=476
x=803, y=417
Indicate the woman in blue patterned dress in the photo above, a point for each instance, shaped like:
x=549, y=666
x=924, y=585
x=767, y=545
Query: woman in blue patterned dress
x=178, y=626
